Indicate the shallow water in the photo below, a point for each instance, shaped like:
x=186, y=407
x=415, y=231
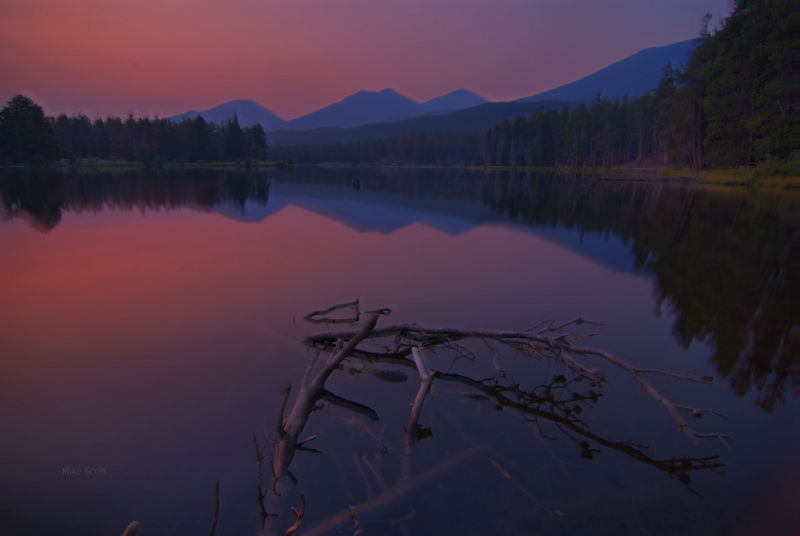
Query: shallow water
x=150, y=324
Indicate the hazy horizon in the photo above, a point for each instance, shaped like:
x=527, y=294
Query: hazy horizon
x=172, y=56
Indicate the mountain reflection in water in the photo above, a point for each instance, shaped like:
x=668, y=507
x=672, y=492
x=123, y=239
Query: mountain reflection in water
x=721, y=258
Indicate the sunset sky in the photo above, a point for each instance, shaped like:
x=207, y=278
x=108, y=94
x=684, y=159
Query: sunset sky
x=164, y=57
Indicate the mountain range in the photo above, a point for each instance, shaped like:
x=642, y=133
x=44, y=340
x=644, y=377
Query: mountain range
x=369, y=114
x=360, y=108
x=474, y=118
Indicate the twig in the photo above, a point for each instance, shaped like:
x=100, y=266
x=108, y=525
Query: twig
x=298, y=514
x=699, y=412
x=576, y=321
x=216, y=509
x=709, y=380
x=649, y=389
x=367, y=484
x=313, y=317
x=378, y=478
x=259, y=489
x=721, y=437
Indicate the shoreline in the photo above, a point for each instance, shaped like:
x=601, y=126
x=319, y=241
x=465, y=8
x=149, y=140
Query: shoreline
x=759, y=176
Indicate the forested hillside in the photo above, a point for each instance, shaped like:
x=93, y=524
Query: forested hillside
x=730, y=107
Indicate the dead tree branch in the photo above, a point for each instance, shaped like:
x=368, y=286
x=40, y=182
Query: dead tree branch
x=425, y=380
x=311, y=390
x=560, y=349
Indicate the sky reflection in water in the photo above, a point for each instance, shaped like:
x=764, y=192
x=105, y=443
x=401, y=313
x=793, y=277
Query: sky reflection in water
x=143, y=350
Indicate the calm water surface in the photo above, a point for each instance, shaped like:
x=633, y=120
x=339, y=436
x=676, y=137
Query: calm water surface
x=150, y=324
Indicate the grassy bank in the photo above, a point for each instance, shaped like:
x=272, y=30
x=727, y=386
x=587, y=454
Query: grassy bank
x=781, y=174
x=777, y=175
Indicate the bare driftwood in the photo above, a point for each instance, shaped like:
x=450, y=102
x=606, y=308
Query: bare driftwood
x=559, y=401
x=551, y=343
x=311, y=389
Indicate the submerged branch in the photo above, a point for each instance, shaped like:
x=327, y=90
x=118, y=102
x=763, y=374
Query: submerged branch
x=355, y=407
x=298, y=516
x=559, y=348
x=311, y=390
x=397, y=492
x=557, y=401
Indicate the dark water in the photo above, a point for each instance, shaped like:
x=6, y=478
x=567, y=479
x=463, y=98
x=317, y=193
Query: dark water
x=150, y=324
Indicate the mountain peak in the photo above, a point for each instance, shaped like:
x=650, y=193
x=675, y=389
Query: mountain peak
x=460, y=91
x=248, y=113
x=360, y=108
x=455, y=100
x=632, y=76
x=383, y=93
x=241, y=102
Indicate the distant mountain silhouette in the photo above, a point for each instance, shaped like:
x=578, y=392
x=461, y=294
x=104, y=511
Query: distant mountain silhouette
x=375, y=114
x=363, y=107
x=632, y=76
x=358, y=109
x=247, y=112
x=455, y=100
x=476, y=118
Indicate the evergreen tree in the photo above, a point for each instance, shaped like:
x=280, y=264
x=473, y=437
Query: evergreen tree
x=256, y=142
x=25, y=134
x=233, y=140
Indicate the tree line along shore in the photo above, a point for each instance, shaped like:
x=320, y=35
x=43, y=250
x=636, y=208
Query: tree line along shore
x=731, y=107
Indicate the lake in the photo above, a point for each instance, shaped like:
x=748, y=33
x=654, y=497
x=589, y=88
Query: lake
x=151, y=323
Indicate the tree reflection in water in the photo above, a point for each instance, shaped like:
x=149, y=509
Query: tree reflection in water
x=722, y=259
x=562, y=401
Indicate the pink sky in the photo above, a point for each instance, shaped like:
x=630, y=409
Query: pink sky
x=164, y=57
